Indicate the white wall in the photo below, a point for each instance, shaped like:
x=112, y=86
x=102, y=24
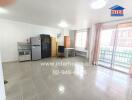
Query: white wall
x=64, y=32
x=12, y=32
x=2, y=88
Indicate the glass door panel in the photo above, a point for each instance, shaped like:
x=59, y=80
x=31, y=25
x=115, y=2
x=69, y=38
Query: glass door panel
x=122, y=57
x=106, y=47
x=116, y=48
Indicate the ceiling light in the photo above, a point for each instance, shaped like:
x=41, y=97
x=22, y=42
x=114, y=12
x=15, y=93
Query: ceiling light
x=63, y=24
x=3, y=11
x=98, y=4
x=61, y=89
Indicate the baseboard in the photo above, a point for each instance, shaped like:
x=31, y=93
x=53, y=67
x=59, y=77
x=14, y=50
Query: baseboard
x=10, y=61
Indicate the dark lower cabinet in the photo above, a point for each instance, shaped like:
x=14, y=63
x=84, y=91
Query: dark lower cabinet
x=45, y=46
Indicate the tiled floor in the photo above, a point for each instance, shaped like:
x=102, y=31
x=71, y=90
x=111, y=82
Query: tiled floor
x=39, y=81
x=116, y=67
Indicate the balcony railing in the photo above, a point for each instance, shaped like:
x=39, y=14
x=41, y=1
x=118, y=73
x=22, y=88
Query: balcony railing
x=121, y=58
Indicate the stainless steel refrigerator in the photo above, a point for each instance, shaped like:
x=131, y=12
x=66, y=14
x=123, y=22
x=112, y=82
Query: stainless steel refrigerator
x=35, y=48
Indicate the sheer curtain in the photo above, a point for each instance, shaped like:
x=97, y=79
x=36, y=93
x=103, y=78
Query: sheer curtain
x=127, y=42
x=96, y=43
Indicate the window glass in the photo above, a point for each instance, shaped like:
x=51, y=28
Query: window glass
x=81, y=39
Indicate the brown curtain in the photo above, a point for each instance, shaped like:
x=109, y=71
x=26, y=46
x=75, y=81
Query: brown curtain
x=97, y=43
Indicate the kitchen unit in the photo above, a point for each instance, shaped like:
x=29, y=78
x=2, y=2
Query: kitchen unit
x=24, y=51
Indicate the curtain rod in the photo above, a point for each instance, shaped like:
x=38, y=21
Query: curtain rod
x=130, y=18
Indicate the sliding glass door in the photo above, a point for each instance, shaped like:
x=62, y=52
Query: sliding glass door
x=122, y=57
x=106, y=47
x=116, y=48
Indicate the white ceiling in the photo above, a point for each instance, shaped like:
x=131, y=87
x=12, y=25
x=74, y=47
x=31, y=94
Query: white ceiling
x=75, y=12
